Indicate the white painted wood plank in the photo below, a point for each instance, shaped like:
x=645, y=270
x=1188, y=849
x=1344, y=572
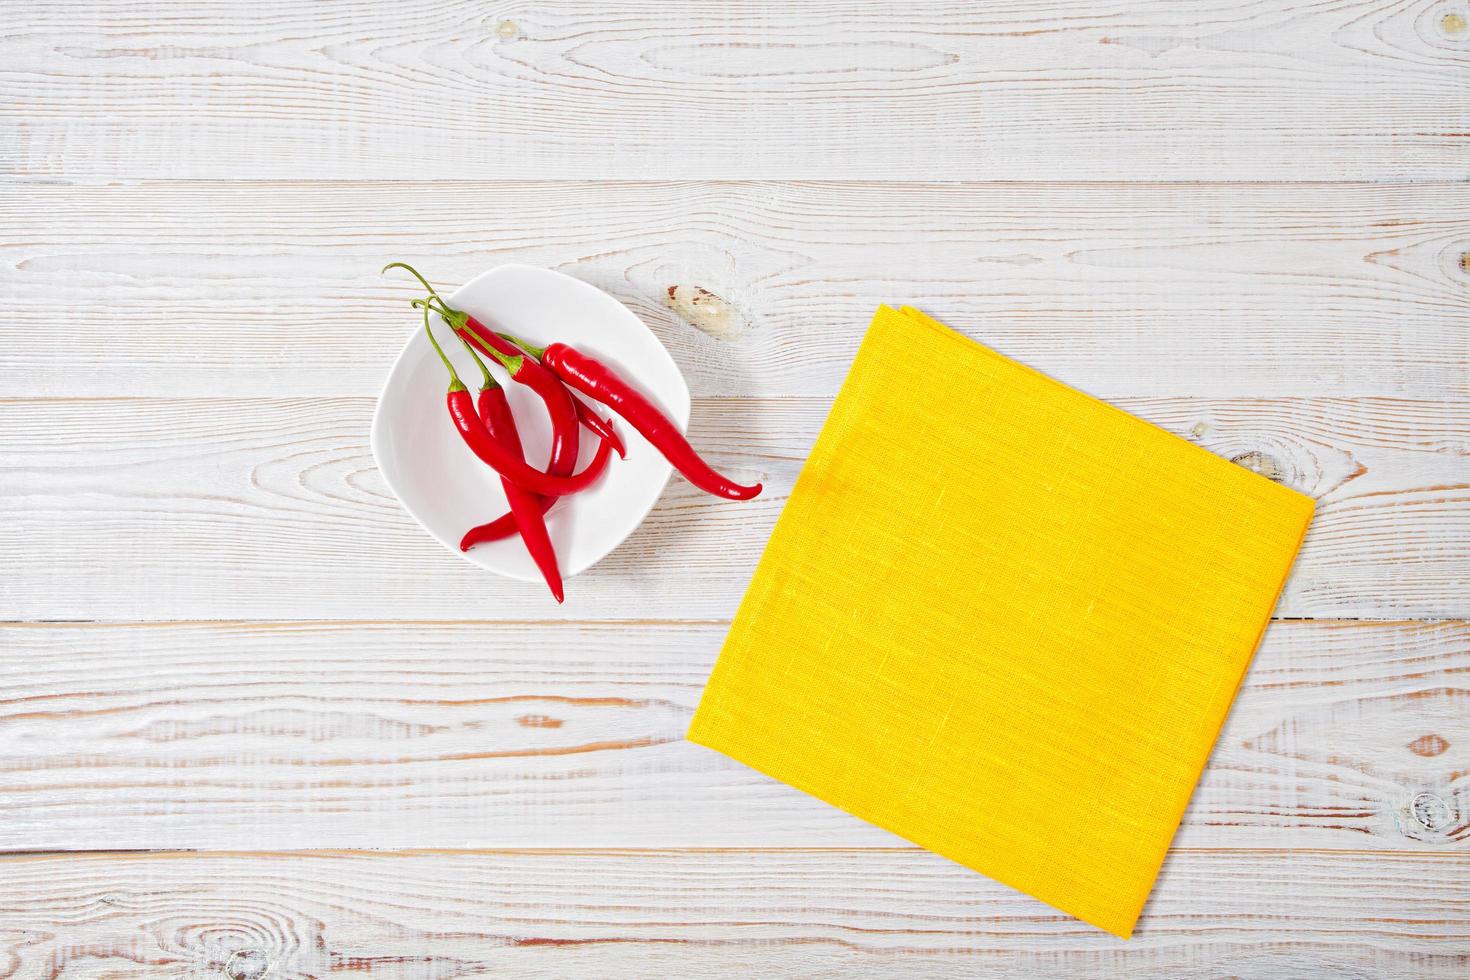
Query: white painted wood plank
x=1121, y=290
x=374, y=734
x=142, y=509
x=658, y=914
x=1011, y=90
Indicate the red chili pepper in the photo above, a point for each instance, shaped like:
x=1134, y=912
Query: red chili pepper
x=530, y=373
x=524, y=370
x=563, y=414
x=603, y=427
x=505, y=525
x=491, y=452
x=596, y=380
x=497, y=530
x=525, y=507
x=491, y=342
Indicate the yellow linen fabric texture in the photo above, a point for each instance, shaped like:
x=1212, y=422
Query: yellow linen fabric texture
x=1002, y=619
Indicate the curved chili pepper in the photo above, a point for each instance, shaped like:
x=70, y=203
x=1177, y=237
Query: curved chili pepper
x=598, y=425
x=505, y=525
x=491, y=452
x=499, y=529
x=488, y=340
x=524, y=370
x=559, y=407
x=603, y=427
x=596, y=380
x=530, y=373
x=525, y=507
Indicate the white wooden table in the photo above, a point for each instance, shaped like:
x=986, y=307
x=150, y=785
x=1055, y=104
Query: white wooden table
x=256, y=723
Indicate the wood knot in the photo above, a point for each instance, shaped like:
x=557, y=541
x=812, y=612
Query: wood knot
x=1431, y=812
x=247, y=964
x=507, y=29
x=1453, y=24
x=705, y=311
x=1465, y=261
x=1429, y=745
x=1259, y=462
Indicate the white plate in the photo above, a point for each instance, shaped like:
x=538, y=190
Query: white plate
x=448, y=490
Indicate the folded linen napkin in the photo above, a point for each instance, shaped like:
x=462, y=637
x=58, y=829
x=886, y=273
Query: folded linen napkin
x=1002, y=619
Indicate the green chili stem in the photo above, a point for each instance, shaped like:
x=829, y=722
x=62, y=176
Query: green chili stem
x=489, y=381
x=442, y=309
x=484, y=371
x=454, y=383
x=450, y=314
x=511, y=362
x=525, y=345
x=415, y=273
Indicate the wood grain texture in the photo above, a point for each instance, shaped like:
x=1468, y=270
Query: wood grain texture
x=375, y=734
x=658, y=914
x=944, y=90
x=261, y=509
x=194, y=203
x=1120, y=290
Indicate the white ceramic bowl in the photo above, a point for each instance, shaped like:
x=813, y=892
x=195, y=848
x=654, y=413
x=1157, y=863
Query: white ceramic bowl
x=448, y=490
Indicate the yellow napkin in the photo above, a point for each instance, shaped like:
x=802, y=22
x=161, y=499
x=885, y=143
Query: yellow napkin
x=1002, y=619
